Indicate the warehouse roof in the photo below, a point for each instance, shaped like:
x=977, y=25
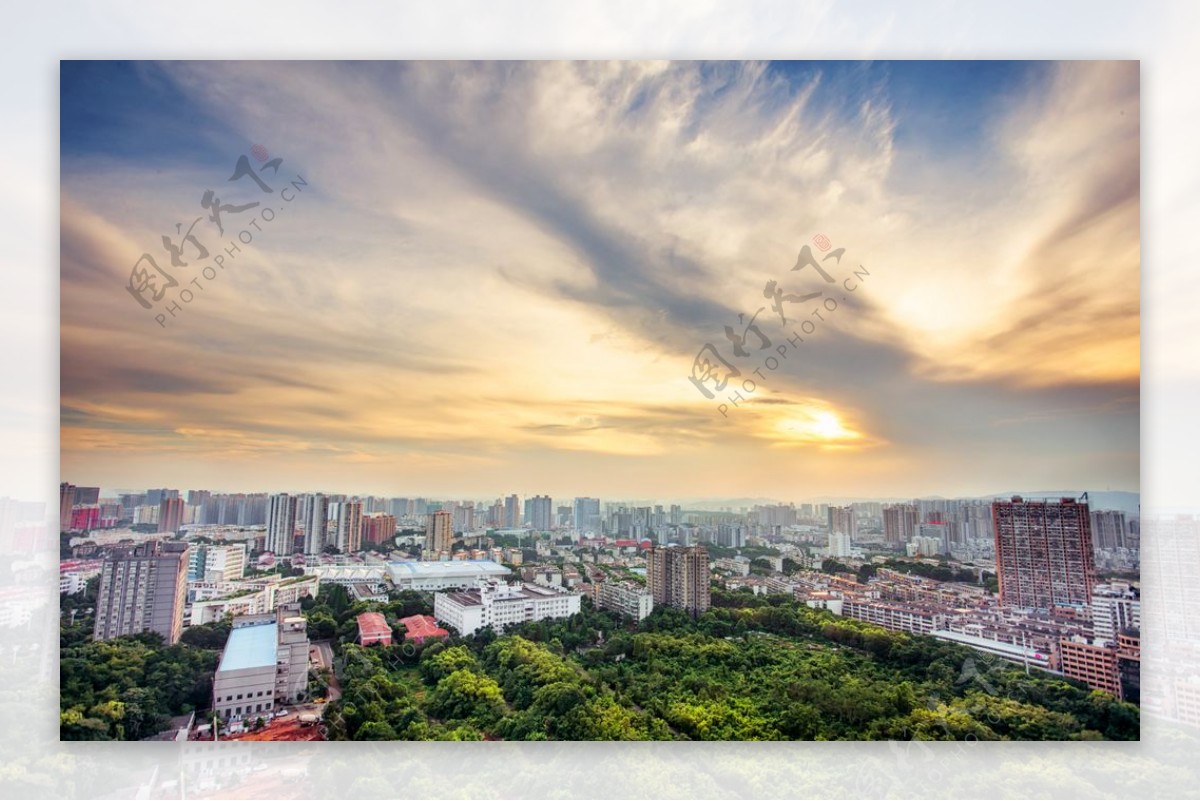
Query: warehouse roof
x=463, y=567
x=250, y=647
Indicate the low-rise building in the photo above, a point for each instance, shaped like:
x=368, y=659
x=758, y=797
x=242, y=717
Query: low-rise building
x=499, y=605
x=74, y=574
x=420, y=576
x=1129, y=665
x=739, y=566
x=373, y=629
x=255, y=597
x=419, y=628
x=1029, y=655
x=1095, y=665
x=895, y=616
x=1114, y=607
x=626, y=598
x=364, y=591
x=264, y=664
x=433, y=576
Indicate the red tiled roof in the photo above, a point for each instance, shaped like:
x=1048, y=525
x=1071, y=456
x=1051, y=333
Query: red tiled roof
x=421, y=626
x=373, y=624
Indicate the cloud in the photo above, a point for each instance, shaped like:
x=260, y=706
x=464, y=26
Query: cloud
x=514, y=264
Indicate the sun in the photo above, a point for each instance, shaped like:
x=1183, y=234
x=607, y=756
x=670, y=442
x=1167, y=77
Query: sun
x=817, y=427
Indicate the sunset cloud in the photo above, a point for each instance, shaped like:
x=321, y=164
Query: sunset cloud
x=497, y=276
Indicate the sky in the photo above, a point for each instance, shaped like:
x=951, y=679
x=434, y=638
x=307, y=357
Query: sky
x=501, y=277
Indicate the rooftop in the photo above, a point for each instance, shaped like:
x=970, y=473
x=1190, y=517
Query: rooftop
x=373, y=624
x=422, y=626
x=462, y=567
x=506, y=592
x=250, y=647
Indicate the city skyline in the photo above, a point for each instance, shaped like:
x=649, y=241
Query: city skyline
x=1118, y=499
x=500, y=275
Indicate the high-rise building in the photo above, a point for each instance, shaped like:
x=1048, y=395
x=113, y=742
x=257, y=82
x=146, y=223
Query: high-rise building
x=512, y=512
x=146, y=515
x=85, y=496
x=839, y=545
x=85, y=518
x=247, y=510
x=439, y=532
x=143, y=589
x=730, y=535
x=495, y=514
x=842, y=520
x=346, y=523
x=587, y=515
x=1043, y=553
x=679, y=577
x=66, y=502
x=281, y=524
x=626, y=598
x=464, y=516
x=540, y=510
x=154, y=497
x=776, y=515
x=938, y=532
x=170, y=514
x=899, y=523
x=313, y=515
x=130, y=501
x=1108, y=529
x=378, y=528
x=216, y=562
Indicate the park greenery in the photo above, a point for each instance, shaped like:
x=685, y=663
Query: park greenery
x=752, y=668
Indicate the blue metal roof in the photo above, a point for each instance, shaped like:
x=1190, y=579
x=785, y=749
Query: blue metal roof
x=250, y=647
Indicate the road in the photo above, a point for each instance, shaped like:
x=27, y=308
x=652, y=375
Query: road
x=321, y=654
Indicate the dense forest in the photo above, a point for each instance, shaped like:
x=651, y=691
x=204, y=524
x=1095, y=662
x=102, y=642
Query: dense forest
x=752, y=668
